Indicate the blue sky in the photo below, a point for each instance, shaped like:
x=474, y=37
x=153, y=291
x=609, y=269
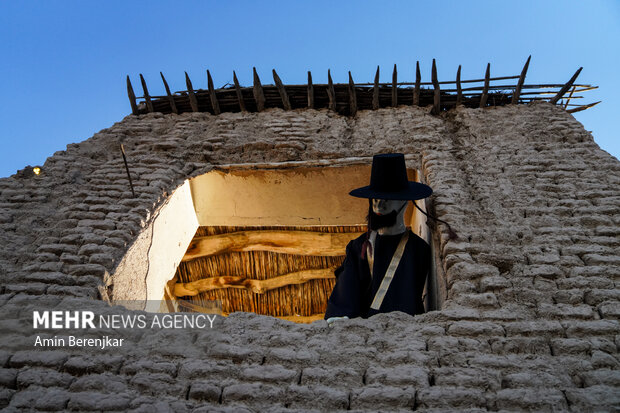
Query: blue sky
x=63, y=63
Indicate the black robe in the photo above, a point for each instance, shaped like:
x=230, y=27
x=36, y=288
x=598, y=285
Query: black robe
x=355, y=290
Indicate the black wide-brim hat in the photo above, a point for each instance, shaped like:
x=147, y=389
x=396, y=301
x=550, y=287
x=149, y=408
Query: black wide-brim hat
x=388, y=180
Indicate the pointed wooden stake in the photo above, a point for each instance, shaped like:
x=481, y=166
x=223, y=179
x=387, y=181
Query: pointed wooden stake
x=132, y=97
x=352, y=97
x=515, y=97
x=375, y=91
x=239, y=94
x=394, y=87
x=485, y=90
x=212, y=96
x=283, y=95
x=459, y=91
x=173, y=106
x=437, y=96
x=418, y=79
x=330, y=92
x=147, y=97
x=259, y=95
x=570, y=96
x=310, y=91
x=565, y=88
x=193, y=102
x=583, y=107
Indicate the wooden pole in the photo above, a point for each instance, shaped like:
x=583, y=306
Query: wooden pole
x=583, y=107
x=330, y=91
x=239, y=94
x=459, y=91
x=517, y=94
x=212, y=96
x=375, y=91
x=132, y=97
x=173, y=106
x=437, y=96
x=352, y=97
x=127, y=170
x=416, y=90
x=285, y=102
x=147, y=98
x=310, y=91
x=394, y=87
x=259, y=95
x=485, y=91
x=570, y=96
x=565, y=88
x=193, y=102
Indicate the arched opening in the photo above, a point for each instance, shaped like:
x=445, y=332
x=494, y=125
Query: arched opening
x=264, y=239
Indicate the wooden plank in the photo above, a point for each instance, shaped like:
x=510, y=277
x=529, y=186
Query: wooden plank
x=286, y=242
x=416, y=89
x=394, y=87
x=437, y=96
x=173, y=106
x=254, y=285
x=239, y=94
x=259, y=94
x=285, y=102
x=565, y=88
x=331, y=94
x=459, y=91
x=193, y=102
x=352, y=97
x=132, y=97
x=583, y=107
x=485, y=91
x=310, y=91
x=147, y=98
x=212, y=96
x=375, y=91
x=517, y=94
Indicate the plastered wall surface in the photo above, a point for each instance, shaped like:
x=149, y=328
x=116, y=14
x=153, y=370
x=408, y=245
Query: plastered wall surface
x=530, y=321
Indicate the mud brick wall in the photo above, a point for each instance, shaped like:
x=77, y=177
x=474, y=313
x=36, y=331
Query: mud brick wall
x=531, y=319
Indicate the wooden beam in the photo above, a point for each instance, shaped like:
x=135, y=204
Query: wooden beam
x=394, y=87
x=173, y=106
x=485, y=91
x=285, y=102
x=375, y=91
x=239, y=94
x=517, y=94
x=305, y=319
x=459, y=91
x=147, y=97
x=259, y=95
x=570, y=96
x=416, y=90
x=310, y=91
x=193, y=102
x=437, y=96
x=287, y=242
x=256, y=286
x=565, y=88
x=330, y=91
x=583, y=107
x=212, y=96
x=352, y=97
x=132, y=97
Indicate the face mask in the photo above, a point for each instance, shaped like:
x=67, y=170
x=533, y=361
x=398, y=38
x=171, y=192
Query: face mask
x=376, y=222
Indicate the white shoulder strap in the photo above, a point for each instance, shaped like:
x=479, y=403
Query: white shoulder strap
x=389, y=274
x=370, y=250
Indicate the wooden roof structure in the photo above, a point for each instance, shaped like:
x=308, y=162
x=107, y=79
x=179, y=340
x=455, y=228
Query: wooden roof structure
x=348, y=98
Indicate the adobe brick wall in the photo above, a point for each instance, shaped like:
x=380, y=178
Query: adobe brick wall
x=531, y=320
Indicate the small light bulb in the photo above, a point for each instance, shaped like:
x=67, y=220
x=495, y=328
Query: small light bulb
x=36, y=170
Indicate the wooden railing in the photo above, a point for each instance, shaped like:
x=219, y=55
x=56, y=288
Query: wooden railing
x=348, y=98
